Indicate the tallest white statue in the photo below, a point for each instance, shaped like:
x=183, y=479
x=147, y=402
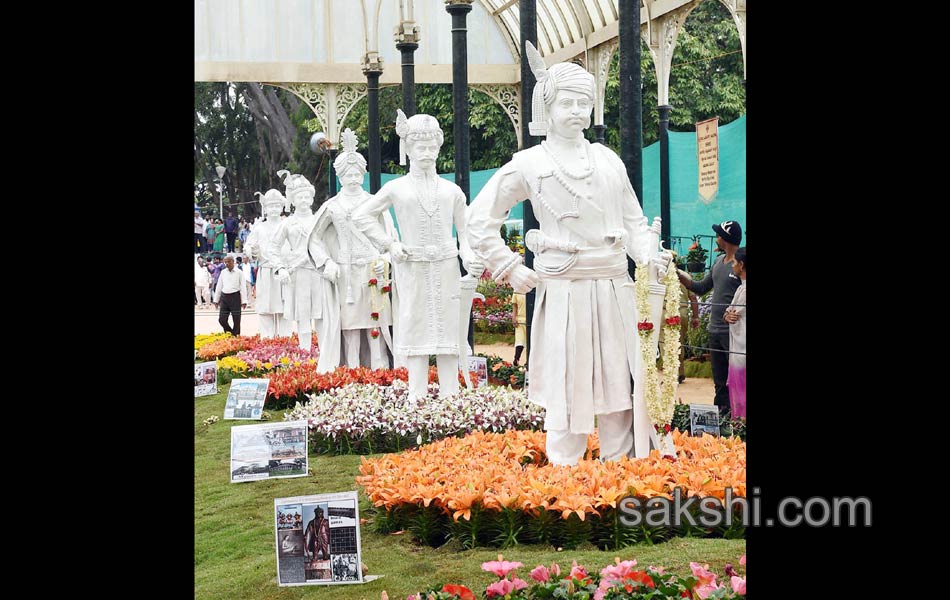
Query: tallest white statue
x=584, y=335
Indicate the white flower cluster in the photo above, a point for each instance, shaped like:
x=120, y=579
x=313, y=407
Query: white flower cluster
x=359, y=410
x=659, y=396
x=670, y=351
x=212, y=419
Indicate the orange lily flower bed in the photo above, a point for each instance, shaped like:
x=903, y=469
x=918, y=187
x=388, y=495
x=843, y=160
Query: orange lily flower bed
x=492, y=472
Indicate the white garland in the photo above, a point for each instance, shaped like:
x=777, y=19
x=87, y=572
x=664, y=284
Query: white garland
x=659, y=396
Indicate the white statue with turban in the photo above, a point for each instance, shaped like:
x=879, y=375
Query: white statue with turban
x=270, y=292
x=584, y=341
x=305, y=301
x=426, y=283
x=358, y=299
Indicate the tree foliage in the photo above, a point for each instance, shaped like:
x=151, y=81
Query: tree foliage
x=491, y=133
x=255, y=130
x=705, y=78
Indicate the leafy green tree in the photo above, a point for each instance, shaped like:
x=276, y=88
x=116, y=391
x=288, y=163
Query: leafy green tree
x=492, y=138
x=705, y=78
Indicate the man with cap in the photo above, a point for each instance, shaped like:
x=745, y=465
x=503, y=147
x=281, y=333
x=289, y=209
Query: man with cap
x=724, y=284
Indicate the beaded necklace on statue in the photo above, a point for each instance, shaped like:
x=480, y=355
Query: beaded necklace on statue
x=424, y=197
x=559, y=173
x=579, y=176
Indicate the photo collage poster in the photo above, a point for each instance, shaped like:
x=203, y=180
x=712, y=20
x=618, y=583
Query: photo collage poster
x=704, y=418
x=206, y=378
x=269, y=451
x=318, y=539
x=246, y=399
x=479, y=364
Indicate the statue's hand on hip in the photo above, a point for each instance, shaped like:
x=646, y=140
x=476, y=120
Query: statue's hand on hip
x=331, y=270
x=398, y=252
x=522, y=279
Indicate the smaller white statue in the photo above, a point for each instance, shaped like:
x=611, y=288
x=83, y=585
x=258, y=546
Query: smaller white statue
x=270, y=292
x=306, y=298
x=359, y=273
x=426, y=287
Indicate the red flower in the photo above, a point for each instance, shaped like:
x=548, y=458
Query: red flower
x=372, y=281
x=666, y=428
x=374, y=333
x=375, y=316
x=645, y=326
x=386, y=289
x=512, y=379
x=459, y=590
x=673, y=321
x=638, y=577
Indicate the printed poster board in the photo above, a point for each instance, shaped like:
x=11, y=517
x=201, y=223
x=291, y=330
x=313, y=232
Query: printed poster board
x=206, y=378
x=269, y=451
x=318, y=539
x=246, y=399
x=479, y=365
x=704, y=418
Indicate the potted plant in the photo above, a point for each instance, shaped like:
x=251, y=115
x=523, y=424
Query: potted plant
x=696, y=258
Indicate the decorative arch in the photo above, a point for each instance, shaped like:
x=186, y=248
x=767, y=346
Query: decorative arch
x=509, y=98
x=736, y=8
x=329, y=102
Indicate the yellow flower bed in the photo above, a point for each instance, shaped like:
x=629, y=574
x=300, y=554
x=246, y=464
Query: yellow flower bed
x=207, y=338
x=233, y=364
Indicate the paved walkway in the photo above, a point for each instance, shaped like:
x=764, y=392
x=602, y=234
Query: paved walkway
x=695, y=390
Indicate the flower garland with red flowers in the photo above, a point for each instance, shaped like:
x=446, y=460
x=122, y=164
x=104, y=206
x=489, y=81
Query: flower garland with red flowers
x=377, y=300
x=659, y=395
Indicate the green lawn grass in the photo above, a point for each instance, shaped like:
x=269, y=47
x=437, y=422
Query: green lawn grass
x=235, y=554
x=488, y=338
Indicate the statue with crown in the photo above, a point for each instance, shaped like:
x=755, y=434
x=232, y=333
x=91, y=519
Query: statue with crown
x=270, y=292
x=358, y=294
x=590, y=334
x=427, y=290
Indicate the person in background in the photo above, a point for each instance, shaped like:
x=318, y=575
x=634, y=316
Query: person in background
x=231, y=230
x=199, y=233
x=245, y=268
x=202, y=284
x=724, y=283
x=242, y=235
x=209, y=234
x=218, y=236
x=735, y=316
x=231, y=293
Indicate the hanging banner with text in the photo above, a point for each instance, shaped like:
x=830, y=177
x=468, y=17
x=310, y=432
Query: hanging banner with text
x=707, y=157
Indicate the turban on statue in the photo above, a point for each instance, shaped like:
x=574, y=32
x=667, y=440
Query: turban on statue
x=560, y=76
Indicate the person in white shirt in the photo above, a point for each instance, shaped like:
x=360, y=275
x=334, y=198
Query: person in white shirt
x=202, y=283
x=231, y=294
x=199, y=233
x=244, y=265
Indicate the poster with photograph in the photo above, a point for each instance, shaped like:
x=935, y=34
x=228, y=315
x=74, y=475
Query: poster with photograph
x=318, y=539
x=246, y=399
x=206, y=378
x=704, y=418
x=479, y=364
x=269, y=451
